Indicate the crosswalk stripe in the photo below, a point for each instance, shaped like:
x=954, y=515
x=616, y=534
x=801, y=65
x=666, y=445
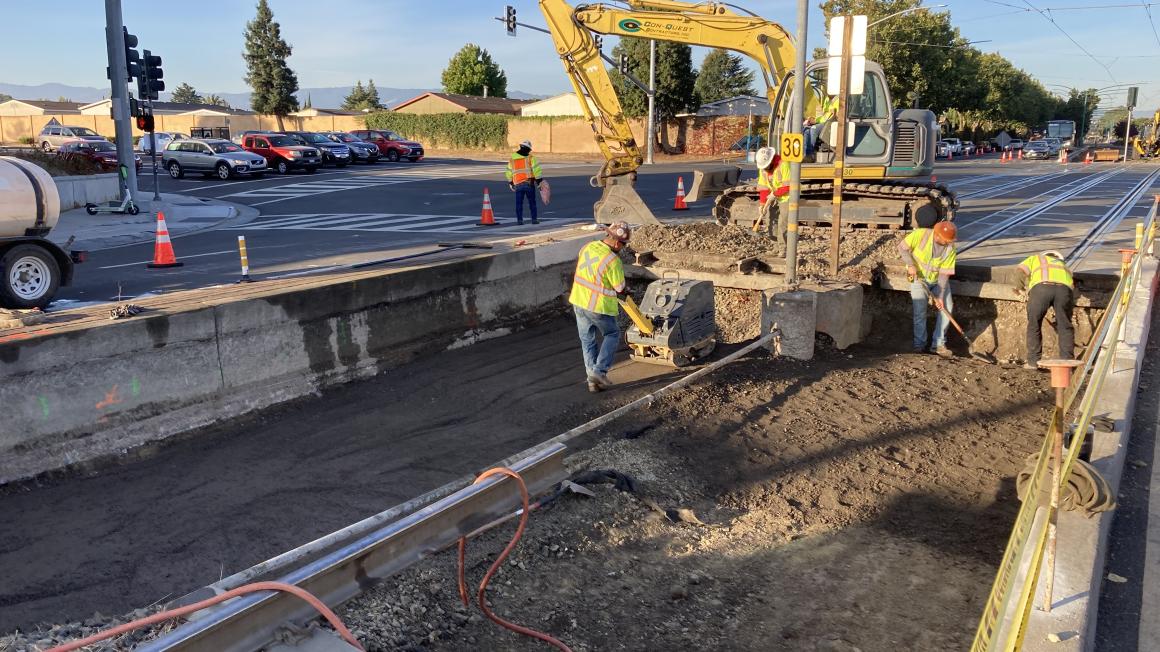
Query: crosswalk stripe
x=363, y=181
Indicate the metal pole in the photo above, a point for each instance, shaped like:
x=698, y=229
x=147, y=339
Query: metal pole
x=795, y=126
x=1082, y=120
x=840, y=145
x=1127, y=130
x=652, y=96
x=115, y=42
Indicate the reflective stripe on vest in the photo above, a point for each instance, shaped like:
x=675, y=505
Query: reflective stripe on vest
x=588, y=290
x=781, y=177
x=923, y=256
x=521, y=169
x=1044, y=269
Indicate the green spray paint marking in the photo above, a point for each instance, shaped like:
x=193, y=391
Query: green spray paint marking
x=135, y=387
x=44, y=411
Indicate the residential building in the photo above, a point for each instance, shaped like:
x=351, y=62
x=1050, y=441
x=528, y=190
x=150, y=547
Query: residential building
x=451, y=103
x=38, y=107
x=565, y=104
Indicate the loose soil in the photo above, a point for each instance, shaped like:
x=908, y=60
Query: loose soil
x=860, y=501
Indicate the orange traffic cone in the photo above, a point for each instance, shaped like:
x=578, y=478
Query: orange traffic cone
x=486, y=218
x=1062, y=157
x=1088, y=159
x=1020, y=155
x=933, y=179
x=950, y=154
x=1002, y=157
x=163, y=246
x=679, y=204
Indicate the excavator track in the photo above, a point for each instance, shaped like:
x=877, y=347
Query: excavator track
x=885, y=204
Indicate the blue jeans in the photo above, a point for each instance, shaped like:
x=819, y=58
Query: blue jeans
x=528, y=190
x=919, y=301
x=597, y=358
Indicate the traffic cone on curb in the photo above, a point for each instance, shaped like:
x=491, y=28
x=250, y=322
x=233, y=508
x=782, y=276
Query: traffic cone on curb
x=163, y=247
x=679, y=204
x=487, y=217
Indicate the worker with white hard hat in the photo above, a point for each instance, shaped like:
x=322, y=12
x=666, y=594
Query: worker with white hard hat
x=773, y=175
x=523, y=175
x=1049, y=284
x=596, y=287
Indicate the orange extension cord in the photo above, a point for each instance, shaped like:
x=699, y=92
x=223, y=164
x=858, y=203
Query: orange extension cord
x=499, y=562
x=232, y=593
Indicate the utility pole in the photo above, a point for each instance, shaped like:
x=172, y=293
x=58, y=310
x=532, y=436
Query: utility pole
x=119, y=74
x=795, y=126
x=840, y=144
x=652, y=97
x=1133, y=94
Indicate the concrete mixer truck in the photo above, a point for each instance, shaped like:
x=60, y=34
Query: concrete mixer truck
x=31, y=267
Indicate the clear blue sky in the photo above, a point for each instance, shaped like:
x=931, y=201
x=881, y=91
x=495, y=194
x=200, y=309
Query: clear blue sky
x=407, y=43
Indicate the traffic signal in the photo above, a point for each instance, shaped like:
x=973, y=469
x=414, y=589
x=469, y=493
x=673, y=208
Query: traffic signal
x=145, y=120
x=1133, y=93
x=150, y=84
x=624, y=64
x=132, y=59
x=599, y=41
x=509, y=19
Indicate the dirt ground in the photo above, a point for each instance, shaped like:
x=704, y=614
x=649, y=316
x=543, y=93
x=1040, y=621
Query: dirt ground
x=847, y=503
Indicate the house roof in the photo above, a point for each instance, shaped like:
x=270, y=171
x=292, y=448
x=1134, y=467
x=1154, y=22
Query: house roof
x=49, y=106
x=317, y=111
x=180, y=107
x=473, y=103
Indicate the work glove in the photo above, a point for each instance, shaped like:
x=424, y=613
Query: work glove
x=911, y=273
x=511, y=186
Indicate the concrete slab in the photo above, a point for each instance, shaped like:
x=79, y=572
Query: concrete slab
x=795, y=314
x=1083, y=543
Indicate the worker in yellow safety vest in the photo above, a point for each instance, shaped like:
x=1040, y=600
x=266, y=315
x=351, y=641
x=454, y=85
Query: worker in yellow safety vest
x=816, y=126
x=1049, y=284
x=930, y=263
x=596, y=287
x=523, y=175
x=773, y=176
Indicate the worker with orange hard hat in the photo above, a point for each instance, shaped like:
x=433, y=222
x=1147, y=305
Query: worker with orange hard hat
x=930, y=263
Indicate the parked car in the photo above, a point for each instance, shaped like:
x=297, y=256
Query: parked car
x=391, y=145
x=360, y=150
x=163, y=139
x=283, y=153
x=249, y=132
x=211, y=156
x=956, y=145
x=53, y=136
x=968, y=148
x=332, y=152
x=1037, y=149
x=1015, y=145
x=99, y=154
x=1055, y=144
x=942, y=149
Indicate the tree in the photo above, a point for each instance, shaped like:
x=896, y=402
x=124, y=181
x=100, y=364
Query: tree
x=185, y=94
x=356, y=98
x=216, y=100
x=473, y=72
x=373, y=102
x=722, y=76
x=676, y=79
x=272, y=81
x=4, y=97
x=1079, y=107
x=308, y=104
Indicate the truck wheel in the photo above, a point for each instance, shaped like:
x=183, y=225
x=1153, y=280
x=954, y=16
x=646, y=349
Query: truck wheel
x=223, y=171
x=46, y=147
x=31, y=277
x=282, y=167
x=393, y=156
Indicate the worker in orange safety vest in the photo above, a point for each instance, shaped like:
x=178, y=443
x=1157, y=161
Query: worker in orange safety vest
x=523, y=175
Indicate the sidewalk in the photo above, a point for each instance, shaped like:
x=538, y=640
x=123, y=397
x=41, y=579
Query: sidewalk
x=183, y=215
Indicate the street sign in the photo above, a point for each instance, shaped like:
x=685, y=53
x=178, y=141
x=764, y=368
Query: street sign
x=857, y=55
x=792, y=147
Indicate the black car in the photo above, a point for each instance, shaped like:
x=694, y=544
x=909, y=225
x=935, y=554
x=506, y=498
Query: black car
x=360, y=150
x=332, y=152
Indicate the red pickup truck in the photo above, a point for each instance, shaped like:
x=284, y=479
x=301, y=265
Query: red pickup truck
x=391, y=145
x=283, y=153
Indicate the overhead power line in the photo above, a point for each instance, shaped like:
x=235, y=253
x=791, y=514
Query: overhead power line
x=1069, y=37
x=1151, y=22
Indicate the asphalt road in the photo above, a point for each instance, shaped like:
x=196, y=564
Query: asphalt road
x=310, y=223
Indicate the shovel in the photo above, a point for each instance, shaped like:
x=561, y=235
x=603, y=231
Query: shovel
x=985, y=357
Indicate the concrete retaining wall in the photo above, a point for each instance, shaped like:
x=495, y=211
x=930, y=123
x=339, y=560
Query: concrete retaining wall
x=77, y=191
x=76, y=396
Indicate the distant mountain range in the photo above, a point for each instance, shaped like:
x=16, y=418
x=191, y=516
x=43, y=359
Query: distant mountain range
x=323, y=98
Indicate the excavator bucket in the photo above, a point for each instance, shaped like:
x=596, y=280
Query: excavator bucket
x=711, y=182
x=620, y=202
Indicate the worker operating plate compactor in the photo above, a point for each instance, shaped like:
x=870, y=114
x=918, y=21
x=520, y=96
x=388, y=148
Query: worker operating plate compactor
x=675, y=323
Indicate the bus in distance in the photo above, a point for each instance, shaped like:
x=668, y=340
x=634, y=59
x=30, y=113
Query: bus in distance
x=1064, y=130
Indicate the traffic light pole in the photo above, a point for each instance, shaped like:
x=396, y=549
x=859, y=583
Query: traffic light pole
x=795, y=126
x=115, y=41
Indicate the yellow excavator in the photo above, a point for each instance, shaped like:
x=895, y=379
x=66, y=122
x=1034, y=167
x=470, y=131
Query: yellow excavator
x=888, y=145
x=1148, y=146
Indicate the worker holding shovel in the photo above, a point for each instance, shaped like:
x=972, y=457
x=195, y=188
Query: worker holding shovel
x=930, y=263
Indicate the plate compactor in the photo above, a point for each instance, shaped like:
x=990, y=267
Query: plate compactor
x=675, y=324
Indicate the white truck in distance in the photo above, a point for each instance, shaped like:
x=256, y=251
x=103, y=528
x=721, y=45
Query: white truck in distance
x=31, y=267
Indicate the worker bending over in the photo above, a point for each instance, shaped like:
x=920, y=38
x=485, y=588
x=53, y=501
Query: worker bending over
x=930, y=264
x=773, y=176
x=598, y=281
x=1049, y=284
x=523, y=175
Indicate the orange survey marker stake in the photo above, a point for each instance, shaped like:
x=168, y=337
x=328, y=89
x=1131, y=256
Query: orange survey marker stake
x=163, y=246
x=487, y=217
x=679, y=204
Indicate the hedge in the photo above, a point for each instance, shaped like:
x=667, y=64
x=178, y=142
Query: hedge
x=447, y=130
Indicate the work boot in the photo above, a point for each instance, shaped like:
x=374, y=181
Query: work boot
x=944, y=352
x=593, y=386
x=1031, y=364
x=603, y=381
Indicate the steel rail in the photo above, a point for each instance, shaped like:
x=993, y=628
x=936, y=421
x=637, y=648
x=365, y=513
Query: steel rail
x=1110, y=220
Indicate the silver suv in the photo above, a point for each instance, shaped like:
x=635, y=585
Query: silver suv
x=53, y=136
x=210, y=156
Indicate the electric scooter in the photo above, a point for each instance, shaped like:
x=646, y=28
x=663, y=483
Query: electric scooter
x=127, y=204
